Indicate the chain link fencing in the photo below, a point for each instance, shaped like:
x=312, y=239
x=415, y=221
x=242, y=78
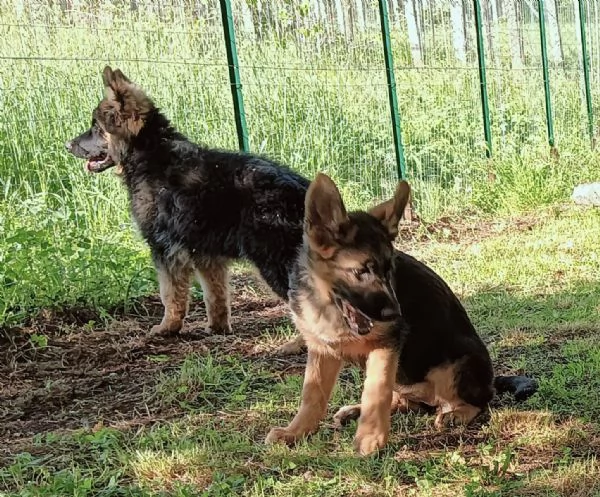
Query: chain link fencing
x=313, y=79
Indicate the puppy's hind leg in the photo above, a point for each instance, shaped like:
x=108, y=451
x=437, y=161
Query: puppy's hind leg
x=174, y=282
x=352, y=412
x=277, y=277
x=455, y=415
x=213, y=275
x=292, y=347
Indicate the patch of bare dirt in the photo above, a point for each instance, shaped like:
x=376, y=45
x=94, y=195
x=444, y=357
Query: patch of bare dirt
x=465, y=229
x=90, y=372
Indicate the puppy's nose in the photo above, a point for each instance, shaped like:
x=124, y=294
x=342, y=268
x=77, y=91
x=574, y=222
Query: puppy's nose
x=69, y=145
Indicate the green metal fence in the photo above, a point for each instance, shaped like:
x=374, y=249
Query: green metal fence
x=320, y=88
x=460, y=96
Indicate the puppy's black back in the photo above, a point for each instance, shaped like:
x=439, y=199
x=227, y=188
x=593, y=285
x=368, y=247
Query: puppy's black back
x=440, y=332
x=217, y=203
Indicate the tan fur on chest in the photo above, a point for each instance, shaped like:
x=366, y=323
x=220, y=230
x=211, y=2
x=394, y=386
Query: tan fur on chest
x=325, y=332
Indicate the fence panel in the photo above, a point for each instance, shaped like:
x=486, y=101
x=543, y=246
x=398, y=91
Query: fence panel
x=566, y=78
x=439, y=94
x=315, y=91
x=592, y=8
x=313, y=78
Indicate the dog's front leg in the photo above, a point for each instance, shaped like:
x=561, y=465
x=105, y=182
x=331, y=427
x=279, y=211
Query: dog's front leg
x=375, y=418
x=214, y=278
x=319, y=378
x=174, y=280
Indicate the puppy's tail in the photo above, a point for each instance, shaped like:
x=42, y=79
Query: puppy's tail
x=522, y=387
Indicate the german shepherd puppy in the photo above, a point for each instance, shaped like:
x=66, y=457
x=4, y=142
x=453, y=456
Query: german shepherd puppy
x=354, y=298
x=197, y=208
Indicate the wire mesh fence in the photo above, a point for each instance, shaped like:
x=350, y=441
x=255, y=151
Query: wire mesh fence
x=313, y=78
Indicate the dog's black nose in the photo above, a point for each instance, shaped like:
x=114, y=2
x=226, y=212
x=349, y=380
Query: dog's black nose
x=69, y=145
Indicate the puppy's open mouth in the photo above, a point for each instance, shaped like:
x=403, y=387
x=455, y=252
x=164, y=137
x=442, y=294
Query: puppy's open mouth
x=99, y=164
x=358, y=320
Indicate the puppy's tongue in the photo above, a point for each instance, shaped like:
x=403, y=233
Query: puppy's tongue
x=357, y=321
x=98, y=164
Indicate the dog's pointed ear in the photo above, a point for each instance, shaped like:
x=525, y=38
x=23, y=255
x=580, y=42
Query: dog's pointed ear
x=114, y=79
x=107, y=76
x=119, y=77
x=324, y=215
x=390, y=212
x=131, y=101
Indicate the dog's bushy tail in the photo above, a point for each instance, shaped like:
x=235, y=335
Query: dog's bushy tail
x=521, y=387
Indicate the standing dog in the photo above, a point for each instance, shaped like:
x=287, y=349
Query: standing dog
x=354, y=298
x=197, y=208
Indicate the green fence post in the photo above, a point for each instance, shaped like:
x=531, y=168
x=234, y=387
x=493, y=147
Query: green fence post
x=549, y=123
x=586, y=72
x=391, y=82
x=234, y=76
x=487, y=131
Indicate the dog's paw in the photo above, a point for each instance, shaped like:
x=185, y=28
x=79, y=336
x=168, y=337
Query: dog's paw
x=280, y=435
x=345, y=415
x=448, y=420
x=164, y=329
x=216, y=329
x=461, y=416
x=293, y=347
x=368, y=443
x=445, y=421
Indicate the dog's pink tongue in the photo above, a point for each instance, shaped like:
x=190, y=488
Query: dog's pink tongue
x=356, y=320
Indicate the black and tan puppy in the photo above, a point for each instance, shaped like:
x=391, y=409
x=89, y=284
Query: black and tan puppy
x=354, y=298
x=198, y=208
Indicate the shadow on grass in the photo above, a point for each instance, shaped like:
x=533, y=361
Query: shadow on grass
x=228, y=396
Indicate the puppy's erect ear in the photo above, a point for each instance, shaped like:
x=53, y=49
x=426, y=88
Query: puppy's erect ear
x=107, y=76
x=119, y=77
x=132, y=103
x=114, y=79
x=324, y=215
x=389, y=213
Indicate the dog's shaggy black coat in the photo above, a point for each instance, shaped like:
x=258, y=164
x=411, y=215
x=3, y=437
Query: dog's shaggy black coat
x=196, y=207
x=440, y=332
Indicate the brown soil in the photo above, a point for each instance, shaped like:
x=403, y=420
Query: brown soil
x=90, y=374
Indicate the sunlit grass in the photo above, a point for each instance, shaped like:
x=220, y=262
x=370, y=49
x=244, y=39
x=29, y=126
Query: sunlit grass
x=218, y=405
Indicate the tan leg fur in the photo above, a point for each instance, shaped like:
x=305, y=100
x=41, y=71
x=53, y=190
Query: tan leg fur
x=319, y=378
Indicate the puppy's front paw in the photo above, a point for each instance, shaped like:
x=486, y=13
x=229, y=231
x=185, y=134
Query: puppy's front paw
x=345, y=415
x=280, y=435
x=169, y=328
x=368, y=443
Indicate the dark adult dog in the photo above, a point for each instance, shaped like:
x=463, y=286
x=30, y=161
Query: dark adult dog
x=353, y=297
x=197, y=208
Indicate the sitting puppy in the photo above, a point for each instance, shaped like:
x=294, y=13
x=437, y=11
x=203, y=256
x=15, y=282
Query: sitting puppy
x=354, y=298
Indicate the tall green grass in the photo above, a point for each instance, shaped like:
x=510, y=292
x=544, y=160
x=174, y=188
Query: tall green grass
x=66, y=236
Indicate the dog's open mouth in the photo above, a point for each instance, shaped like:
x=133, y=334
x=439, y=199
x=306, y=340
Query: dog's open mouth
x=99, y=164
x=358, y=320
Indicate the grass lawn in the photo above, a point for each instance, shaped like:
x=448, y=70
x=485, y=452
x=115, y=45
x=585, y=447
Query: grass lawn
x=92, y=407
